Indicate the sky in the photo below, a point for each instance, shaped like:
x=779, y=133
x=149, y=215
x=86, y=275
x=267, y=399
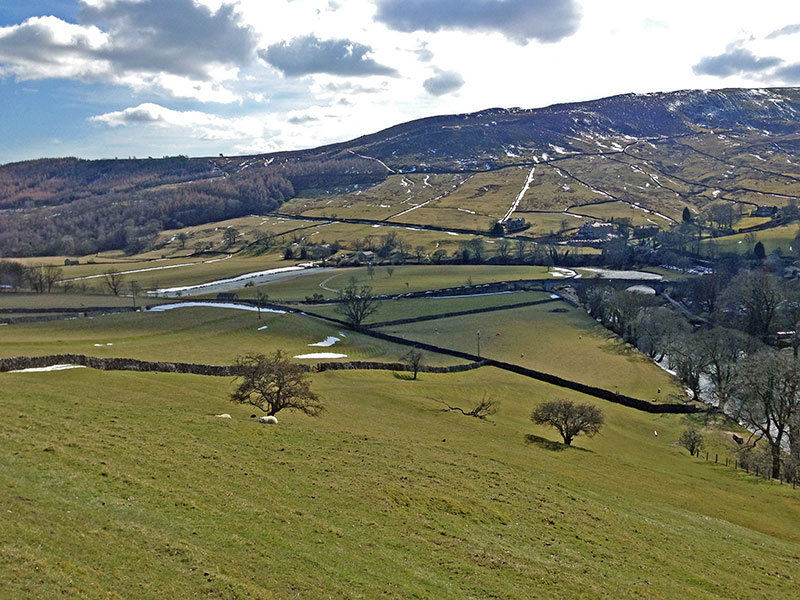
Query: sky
x=120, y=78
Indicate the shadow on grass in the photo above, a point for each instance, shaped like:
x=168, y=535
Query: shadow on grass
x=616, y=345
x=546, y=444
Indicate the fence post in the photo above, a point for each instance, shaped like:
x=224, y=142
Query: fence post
x=715, y=458
x=706, y=455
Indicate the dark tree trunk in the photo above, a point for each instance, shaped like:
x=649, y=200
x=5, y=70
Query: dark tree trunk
x=776, y=461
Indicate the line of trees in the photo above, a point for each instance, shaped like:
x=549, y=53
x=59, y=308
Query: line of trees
x=731, y=357
x=38, y=278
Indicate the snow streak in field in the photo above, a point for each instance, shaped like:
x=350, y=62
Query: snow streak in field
x=47, y=369
x=439, y=197
x=204, y=262
x=327, y=342
x=519, y=196
x=232, y=282
x=163, y=307
x=387, y=167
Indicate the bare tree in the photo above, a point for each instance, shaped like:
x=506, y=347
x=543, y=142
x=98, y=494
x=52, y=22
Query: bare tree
x=753, y=298
x=114, y=282
x=722, y=349
x=230, y=236
x=654, y=329
x=420, y=252
x=767, y=398
x=261, y=297
x=705, y=291
x=272, y=383
x=402, y=249
x=689, y=361
x=569, y=418
x=722, y=213
x=622, y=309
x=414, y=359
x=134, y=287
x=521, y=249
x=387, y=244
x=12, y=274
x=794, y=443
x=692, y=440
x=485, y=408
x=477, y=249
x=504, y=249
x=356, y=304
x=42, y=278
x=790, y=314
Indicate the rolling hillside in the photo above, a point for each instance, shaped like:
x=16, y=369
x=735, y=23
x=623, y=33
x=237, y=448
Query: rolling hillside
x=658, y=152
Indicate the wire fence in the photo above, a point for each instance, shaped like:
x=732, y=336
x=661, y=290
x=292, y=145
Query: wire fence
x=750, y=467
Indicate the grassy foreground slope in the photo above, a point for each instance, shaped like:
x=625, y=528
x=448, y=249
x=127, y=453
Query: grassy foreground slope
x=119, y=485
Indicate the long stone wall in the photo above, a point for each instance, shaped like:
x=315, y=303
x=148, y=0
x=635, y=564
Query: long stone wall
x=378, y=366
x=130, y=364
x=473, y=311
x=113, y=364
x=548, y=378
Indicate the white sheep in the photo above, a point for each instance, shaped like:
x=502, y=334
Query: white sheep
x=269, y=420
x=223, y=416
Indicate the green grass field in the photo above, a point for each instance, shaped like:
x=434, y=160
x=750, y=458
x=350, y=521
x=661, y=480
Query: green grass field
x=568, y=344
x=775, y=238
x=404, y=278
x=119, y=485
x=201, y=335
x=71, y=300
x=391, y=310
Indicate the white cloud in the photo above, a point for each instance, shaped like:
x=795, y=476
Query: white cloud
x=203, y=125
x=177, y=47
x=619, y=46
x=44, y=47
x=308, y=54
